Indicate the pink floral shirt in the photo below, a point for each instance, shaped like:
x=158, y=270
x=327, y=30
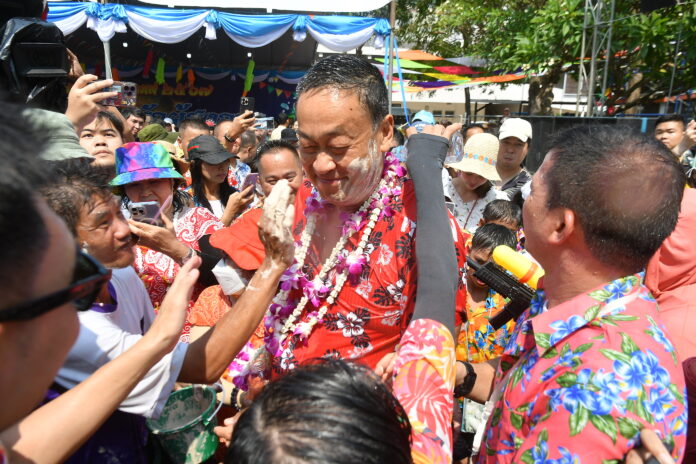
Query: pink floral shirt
x=578, y=382
x=157, y=270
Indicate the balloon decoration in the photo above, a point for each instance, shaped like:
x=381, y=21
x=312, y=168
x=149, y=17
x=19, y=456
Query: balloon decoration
x=249, y=77
x=149, y=58
x=159, y=73
x=179, y=73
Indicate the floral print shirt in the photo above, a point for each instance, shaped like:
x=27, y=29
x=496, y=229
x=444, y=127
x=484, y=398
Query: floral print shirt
x=157, y=270
x=423, y=382
x=371, y=313
x=478, y=341
x=578, y=382
x=236, y=175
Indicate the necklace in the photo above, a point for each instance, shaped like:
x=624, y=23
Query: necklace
x=466, y=221
x=284, y=318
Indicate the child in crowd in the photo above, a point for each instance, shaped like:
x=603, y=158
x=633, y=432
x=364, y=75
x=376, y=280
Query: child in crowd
x=507, y=214
x=477, y=341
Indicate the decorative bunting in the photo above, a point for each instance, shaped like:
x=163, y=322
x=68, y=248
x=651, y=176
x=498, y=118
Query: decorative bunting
x=262, y=85
x=98, y=69
x=270, y=89
x=191, y=77
x=278, y=92
x=114, y=74
x=287, y=93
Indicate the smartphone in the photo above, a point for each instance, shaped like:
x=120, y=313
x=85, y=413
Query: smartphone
x=146, y=212
x=251, y=179
x=127, y=94
x=246, y=104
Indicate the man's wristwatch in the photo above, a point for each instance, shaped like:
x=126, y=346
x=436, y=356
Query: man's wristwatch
x=467, y=384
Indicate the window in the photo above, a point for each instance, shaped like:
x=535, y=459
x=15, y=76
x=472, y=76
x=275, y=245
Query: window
x=437, y=113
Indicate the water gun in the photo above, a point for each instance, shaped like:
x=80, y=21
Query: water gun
x=519, y=290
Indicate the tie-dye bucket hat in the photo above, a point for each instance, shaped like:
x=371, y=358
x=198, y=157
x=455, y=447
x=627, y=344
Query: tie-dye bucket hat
x=136, y=161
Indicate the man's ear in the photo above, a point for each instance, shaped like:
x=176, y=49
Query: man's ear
x=565, y=225
x=386, y=129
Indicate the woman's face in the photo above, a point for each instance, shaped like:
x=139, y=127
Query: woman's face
x=150, y=190
x=215, y=173
x=471, y=181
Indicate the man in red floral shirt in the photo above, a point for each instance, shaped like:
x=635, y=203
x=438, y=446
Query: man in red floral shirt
x=590, y=363
x=351, y=292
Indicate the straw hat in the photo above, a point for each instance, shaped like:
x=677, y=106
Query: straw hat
x=479, y=155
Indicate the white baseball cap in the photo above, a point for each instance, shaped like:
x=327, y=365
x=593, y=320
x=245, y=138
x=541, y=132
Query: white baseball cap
x=168, y=121
x=515, y=127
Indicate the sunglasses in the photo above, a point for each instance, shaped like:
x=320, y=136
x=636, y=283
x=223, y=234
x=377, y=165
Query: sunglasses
x=88, y=278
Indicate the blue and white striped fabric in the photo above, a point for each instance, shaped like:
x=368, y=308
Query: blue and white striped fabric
x=167, y=25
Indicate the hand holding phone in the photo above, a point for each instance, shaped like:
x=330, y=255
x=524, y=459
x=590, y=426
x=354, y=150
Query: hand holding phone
x=147, y=212
x=251, y=179
x=126, y=94
x=247, y=104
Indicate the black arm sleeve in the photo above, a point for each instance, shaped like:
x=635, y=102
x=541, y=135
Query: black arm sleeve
x=210, y=256
x=438, y=275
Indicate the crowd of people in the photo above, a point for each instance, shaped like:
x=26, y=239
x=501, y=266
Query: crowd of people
x=327, y=283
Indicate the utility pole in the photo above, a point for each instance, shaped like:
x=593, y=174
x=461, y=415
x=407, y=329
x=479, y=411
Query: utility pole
x=599, y=19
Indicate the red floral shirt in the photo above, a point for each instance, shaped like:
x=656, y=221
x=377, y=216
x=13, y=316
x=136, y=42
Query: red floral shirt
x=158, y=270
x=580, y=380
x=371, y=314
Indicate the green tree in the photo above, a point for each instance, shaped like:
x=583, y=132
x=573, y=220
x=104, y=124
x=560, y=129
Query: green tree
x=543, y=37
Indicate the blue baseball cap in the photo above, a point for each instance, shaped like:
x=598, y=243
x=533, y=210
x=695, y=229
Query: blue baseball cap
x=425, y=116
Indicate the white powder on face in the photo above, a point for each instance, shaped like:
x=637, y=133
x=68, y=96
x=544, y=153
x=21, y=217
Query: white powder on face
x=364, y=174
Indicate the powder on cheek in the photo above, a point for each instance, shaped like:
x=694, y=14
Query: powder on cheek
x=364, y=174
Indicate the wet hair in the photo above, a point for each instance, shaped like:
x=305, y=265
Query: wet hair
x=595, y=171
x=115, y=122
x=352, y=73
x=328, y=412
x=398, y=137
x=671, y=117
x=273, y=146
x=193, y=123
x=281, y=119
x=489, y=236
x=504, y=211
x=247, y=138
x=75, y=184
x=198, y=187
x=129, y=111
x=466, y=128
x=23, y=233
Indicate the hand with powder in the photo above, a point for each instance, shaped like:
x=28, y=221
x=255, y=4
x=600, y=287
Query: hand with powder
x=275, y=226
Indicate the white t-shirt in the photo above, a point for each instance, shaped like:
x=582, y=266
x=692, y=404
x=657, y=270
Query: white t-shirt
x=275, y=135
x=469, y=213
x=105, y=335
x=217, y=208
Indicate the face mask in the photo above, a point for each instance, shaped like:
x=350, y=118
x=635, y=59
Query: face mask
x=229, y=277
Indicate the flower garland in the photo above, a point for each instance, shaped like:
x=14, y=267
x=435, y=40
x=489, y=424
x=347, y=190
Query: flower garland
x=284, y=317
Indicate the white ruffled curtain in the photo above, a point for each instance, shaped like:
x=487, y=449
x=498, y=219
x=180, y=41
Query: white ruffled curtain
x=339, y=33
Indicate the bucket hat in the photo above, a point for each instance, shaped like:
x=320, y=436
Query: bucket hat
x=136, y=161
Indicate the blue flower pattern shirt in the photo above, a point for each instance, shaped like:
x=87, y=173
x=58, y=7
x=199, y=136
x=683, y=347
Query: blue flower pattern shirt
x=578, y=382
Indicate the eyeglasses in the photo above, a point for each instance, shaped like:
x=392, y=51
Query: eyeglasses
x=88, y=278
